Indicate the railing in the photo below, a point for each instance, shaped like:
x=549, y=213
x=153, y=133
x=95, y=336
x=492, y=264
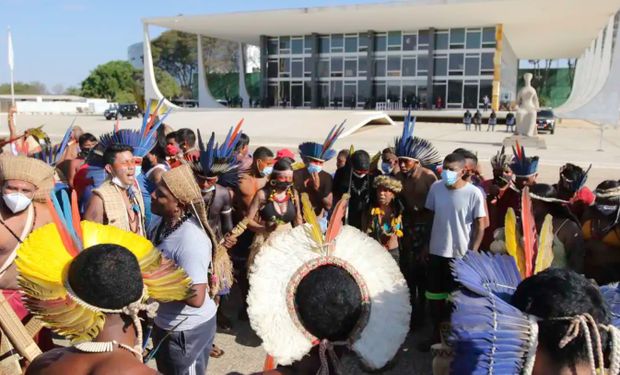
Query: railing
x=388, y=106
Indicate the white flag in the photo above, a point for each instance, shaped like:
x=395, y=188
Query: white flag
x=10, y=53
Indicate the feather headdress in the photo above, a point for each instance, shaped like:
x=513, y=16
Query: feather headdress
x=322, y=152
x=409, y=146
x=579, y=181
x=501, y=160
x=297, y=253
x=523, y=166
x=217, y=160
x=51, y=154
x=43, y=260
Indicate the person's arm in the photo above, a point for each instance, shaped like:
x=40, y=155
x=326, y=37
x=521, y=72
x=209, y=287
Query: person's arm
x=226, y=212
x=246, y=189
x=257, y=202
x=479, y=227
x=481, y=221
x=95, y=210
x=298, y=216
x=74, y=167
x=199, y=294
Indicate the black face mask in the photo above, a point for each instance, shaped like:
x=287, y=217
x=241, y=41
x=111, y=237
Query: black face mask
x=84, y=152
x=280, y=185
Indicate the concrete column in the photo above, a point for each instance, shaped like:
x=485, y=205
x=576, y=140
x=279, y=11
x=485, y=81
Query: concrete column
x=205, y=99
x=497, y=66
x=264, y=80
x=370, y=69
x=243, y=90
x=151, y=91
x=314, y=77
x=431, y=68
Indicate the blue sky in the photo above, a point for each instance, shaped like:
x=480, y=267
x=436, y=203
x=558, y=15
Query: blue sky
x=60, y=42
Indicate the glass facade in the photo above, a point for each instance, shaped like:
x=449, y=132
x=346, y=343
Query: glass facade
x=396, y=69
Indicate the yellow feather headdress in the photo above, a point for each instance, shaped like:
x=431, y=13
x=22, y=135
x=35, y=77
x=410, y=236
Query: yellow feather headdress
x=44, y=258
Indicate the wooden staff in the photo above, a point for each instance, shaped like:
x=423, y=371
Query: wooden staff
x=17, y=334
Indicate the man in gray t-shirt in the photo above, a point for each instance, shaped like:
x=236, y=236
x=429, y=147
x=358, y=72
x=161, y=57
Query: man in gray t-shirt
x=458, y=226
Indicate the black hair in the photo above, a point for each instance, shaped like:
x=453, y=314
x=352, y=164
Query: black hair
x=454, y=158
x=388, y=150
x=112, y=150
x=106, y=276
x=244, y=140
x=572, y=171
x=329, y=303
x=283, y=165
x=172, y=135
x=466, y=154
x=262, y=153
x=343, y=152
x=605, y=185
x=86, y=137
x=186, y=135
x=555, y=209
x=556, y=293
x=360, y=160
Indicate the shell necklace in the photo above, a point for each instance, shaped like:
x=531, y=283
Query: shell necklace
x=105, y=347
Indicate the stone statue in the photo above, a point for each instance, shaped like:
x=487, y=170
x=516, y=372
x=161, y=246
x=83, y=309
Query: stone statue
x=527, y=107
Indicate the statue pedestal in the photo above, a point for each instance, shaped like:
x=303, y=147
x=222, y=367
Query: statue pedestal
x=527, y=142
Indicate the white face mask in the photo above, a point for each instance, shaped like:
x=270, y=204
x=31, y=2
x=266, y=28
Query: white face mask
x=138, y=170
x=208, y=190
x=16, y=202
x=362, y=175
x=116, y=181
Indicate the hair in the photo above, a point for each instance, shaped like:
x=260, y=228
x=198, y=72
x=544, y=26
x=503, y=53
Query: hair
x=556, y=209
x=607, y=185
x=172, y=134
x=106, y=276
x=329, y=303
x=360, y=160
x=244, y=140
x=557, y=293
x=454, y=158
x=86, y=137
x=263, y=153
x=343, y=153
x=112, y=150
x=186, y=135
x=388, y=150
x=466, y=154
x=283, y=164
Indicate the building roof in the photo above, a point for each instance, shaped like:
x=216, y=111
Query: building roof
x=535, y=29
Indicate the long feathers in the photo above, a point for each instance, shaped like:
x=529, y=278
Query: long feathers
x=310, y=217
x=335, y=222
x=529, y=231
x=544, y=256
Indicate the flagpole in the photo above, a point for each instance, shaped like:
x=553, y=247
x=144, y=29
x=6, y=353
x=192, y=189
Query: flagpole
x=11, y=64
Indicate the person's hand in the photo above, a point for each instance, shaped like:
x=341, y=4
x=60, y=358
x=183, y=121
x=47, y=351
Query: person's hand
x=271, y=225
x=229, y=241
x=316, y=181
x=12, y=110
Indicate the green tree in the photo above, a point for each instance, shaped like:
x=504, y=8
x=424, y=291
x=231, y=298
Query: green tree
x=113, y=81
x=166, y=83
x=24, y=88
x=72, y=90
x=176, y=53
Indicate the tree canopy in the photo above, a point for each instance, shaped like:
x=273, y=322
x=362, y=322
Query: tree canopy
x=24, y=88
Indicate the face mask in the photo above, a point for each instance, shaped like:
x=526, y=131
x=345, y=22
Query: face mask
x=84, y=152
x=280, y=185
x=386, y=168
x=449, y=177
x=313, y=168
x=207, y=190
x=16, y=202
x=138, y=170
x=606, y=209
x=359, y=175
x=116, y=181
x=266, y=171
x=171, y=150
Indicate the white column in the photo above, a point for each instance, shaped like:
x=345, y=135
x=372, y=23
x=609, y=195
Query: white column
x=243, y=91
x=205, y=99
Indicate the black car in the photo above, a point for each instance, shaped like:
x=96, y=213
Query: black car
x=545, y=120
x=123, y=111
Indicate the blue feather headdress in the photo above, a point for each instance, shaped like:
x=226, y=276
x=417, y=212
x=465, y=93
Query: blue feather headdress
x=322, y=152
x=217, y=160
x=409, y=146
x=52, y=154
x=611, y=293
x=523, y=166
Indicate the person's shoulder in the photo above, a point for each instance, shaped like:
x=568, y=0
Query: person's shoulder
x=121, y=363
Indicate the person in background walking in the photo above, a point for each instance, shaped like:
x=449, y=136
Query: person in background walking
x=467, y=120
x=492, y=121
x=478, y=120
x=485, y=103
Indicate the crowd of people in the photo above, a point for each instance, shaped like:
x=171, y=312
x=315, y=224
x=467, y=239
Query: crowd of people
x=171, y=217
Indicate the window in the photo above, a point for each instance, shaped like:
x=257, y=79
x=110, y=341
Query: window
x=324, y=68
x=423, y=39
x=488, y=37
x=441, y=66
x=272, y=46
x=472, y=66
x=393, y=91
x=441, y=40
x=362, y=91
x=379, y=68
x=297, y=46
x=350, y=99
x=473, y=40
x=380, y=43
x=455, y=91
x=439, y=91
x=422, y=65
x=336, y=92
x=362, y=65
x=486, y=88
x=297, y=68
x=350, y=68
x=409, y=42
x=285, y=44
x=363, y=42
x=285, y=92
x=324, y=44
x=350, y=44
x=285, y=68
x=486, y=63
x=457, y=38
x=456, y=63
x=336, y=69
x=408, y=67
x=379, y=90
x=393, y=66
x=307, y=92
x=297, y=92
x=272, y=69
x=337, y=43
x=394, y=41
x=308, y=44
x=307, y=67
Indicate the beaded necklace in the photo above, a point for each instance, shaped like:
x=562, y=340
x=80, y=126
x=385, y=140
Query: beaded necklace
x=163, y=231
x=394, y=228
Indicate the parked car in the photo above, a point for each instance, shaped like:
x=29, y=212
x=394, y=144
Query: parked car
x=545, y=120
x=123, y=111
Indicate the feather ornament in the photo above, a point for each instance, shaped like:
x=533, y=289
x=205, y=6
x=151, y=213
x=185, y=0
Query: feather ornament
x=544, y=256
x=513, y=240
x=336, y=221
x=529, y=231
x=611, y=294
x=313, y=228
x=484, y=274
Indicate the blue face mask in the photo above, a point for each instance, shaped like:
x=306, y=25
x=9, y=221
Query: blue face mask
x=313, y=168
x=387, y=167
x=449, y=177
x=266, y=171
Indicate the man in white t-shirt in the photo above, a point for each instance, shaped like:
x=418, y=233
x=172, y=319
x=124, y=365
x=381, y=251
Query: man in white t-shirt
x=458, y=226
